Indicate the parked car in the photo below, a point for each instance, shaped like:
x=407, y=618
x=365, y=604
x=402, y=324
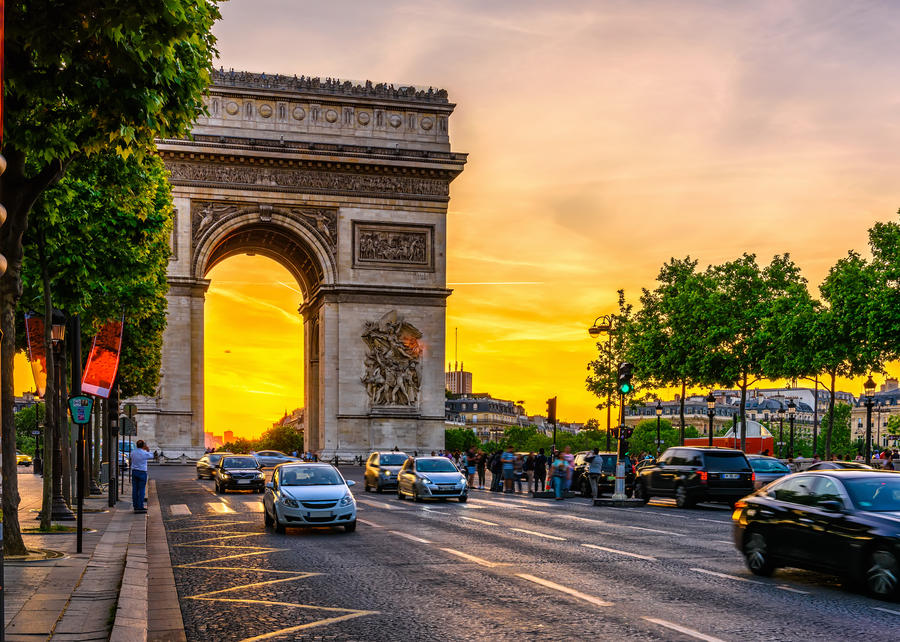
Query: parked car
x=22, y=459
x=271, y=458
x=767, y=469
x=206, y=465
x=382, y=469
x=239, y=472
x=607, y=481
x=693, y=474
x=431, y=478
x=309, y=494
x=835, y=521
x=839, y=465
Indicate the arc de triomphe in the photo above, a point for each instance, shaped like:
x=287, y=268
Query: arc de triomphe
x=347, y=187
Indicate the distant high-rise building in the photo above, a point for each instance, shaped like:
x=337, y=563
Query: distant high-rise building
x=229, y=436
x=458, y=381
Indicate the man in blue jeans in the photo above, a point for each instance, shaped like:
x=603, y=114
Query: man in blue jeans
x=139, y=458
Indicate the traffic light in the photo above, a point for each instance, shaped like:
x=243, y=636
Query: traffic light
x=551, y=410
x=624, y=380
x=627, y=431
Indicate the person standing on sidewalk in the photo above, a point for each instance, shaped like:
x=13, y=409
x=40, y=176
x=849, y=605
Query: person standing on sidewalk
x=508, y=460
x=540, y=471
x=139, y=458
x=558, y=472
x=595, y=471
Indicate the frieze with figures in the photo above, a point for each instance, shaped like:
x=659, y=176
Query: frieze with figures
x=392, y=366
x=322, y=221
x=397, y=246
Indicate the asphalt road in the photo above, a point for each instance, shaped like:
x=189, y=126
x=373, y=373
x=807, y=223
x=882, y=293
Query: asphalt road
x=498, y=567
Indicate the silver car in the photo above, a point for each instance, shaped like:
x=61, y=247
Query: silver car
x=382, y=469
x=270, y=458
x=766, y=469
x=309, y=494
x=431, y=478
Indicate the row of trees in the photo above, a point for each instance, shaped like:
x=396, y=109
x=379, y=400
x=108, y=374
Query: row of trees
x=283, y=438
x=88, y=89
x=737, y=323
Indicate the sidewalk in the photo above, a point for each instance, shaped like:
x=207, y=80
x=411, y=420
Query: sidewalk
x=99, y=594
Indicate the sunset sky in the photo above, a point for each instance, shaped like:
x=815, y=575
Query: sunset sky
x=603, y=139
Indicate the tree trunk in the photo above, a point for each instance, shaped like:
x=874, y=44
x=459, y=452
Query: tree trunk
x=50, y=408
x=743, y=414
x=833, y=376
x=681, y=409
x=12, y=534
x=65, y=432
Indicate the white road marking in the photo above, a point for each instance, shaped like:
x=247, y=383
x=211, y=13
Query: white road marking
x=564, y=589
x=369, y=502
x=722, y=541
x=480, y=521
x=179, y=509
x=522, y=530
x=412, y=537
x=507, y=505
x=683, y=629
x=368, y=523
x=891, y=611
x=254, y=507
x=650, y=530
x=219, y=507
x=792, y=590
x=472, y=558
x=431, y=510
x=714, y=521
x=726, y=576
x=613, y=550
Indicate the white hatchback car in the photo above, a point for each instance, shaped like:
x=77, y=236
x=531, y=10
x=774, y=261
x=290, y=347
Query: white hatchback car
x=309, y=494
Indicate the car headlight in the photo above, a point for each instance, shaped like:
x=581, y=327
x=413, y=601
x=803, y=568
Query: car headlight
x=225, y=474
x=386, y=473
x=346, y=500
x=260, y=475
x=290, y=503
x=425, y=480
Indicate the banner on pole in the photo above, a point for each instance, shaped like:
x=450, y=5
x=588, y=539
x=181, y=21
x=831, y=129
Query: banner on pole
x=34, y=334
x=103, y=362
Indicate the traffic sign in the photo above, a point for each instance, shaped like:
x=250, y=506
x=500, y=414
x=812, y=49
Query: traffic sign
x=80, y=407
x=35, y=432
x=130, y=410
x=127, y=427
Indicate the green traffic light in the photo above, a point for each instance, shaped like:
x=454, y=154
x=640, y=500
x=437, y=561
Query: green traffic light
x=626, y=388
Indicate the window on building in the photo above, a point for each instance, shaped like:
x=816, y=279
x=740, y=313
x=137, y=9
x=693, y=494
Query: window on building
x=474, y=419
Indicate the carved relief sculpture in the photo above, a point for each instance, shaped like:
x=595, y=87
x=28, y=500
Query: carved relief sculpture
x=398, y=246
x=393, y=368
x=323, y=221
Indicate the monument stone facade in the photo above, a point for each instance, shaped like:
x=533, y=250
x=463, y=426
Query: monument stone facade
x=347, y=186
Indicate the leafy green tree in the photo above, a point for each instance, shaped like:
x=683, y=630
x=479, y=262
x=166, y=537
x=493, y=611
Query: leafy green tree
x=603, y=377
x=284, y=438
x=460, y=439
x=837, y=424
x=81, y=77
x=27, y=420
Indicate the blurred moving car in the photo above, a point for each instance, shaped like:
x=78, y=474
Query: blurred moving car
x=22, y=459
x=309, y=494
x=839, y=465
x=239, y=472
x=271, y=458
x=767, y=469
x=837, y=521
x=693, y=474
x=431, y=478
x=382, y=469
x=206, y=465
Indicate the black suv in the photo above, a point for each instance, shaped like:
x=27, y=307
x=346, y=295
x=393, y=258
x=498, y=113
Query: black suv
x=692, y=475
x=607, y=482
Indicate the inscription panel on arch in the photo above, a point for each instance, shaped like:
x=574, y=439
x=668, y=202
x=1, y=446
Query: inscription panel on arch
x=393, y=246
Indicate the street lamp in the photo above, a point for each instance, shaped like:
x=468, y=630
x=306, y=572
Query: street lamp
x=781, y=430
x=792, y=410
x=658, y=418
x=604, y=324
x=58, y=510
x=711, y=411
x=869, y=387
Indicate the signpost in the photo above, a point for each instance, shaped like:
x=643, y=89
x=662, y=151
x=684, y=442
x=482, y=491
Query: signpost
x=80, y=407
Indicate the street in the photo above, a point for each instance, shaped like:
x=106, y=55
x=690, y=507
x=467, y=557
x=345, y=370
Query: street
x=497, y=567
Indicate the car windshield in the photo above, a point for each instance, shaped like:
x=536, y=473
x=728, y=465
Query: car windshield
x=214, y=459
x=239, y=462
x=768, y=466
x=609, y=463
x=876, y=493
x=394, y=459
x=310, y=476
x=726, y=462
x=435, y=466
x=852, y=464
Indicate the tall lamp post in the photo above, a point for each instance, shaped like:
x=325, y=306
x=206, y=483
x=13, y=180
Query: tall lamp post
x=604, y=324
x=711, y=411
x=59, y=510
x=869, y=387
x=659, y=410
x=792, y=410
x=781, y=430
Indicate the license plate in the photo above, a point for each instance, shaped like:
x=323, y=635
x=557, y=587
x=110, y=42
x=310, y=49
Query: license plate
x=243, y=481
x=731, y=476
x=319, y=513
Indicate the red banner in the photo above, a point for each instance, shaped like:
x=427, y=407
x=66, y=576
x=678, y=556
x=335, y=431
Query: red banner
x=103, y=362
x=34, y=333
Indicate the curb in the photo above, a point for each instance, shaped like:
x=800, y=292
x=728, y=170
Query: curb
x=131, y=608
x=166, y=622
x=620, y=503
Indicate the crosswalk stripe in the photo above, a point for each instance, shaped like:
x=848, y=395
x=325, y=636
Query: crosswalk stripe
x=219, y=507
x=179, y=509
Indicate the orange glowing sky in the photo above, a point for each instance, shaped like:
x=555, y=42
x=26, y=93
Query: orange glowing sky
x=604, y=138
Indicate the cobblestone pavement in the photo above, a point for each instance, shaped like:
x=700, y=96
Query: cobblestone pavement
x=497, y=567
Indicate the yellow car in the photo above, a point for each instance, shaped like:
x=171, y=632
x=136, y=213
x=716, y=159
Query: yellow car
x=22, y=459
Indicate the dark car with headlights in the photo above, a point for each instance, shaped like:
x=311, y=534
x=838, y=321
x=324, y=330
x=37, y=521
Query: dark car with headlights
x=239, y=472
x=431, y=478
x=693, y=474
x=206, y=465
x=382, y=469
x=606, y=482
x=767, y=469
x=845, y=522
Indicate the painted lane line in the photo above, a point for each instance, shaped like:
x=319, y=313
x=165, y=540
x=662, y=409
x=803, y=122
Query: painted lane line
x=480, y=521
x=220, y=507
x=590, y=599
x=727, y=576
x=488, y=502
x=683, y=629
x=369, y=502
x=650, y=530
x=722, y=541
x=431, y=510
x=535, y=533
x=368, y=523
x=791, y=589
x=179, y=509
x=618, y=552
x=254, y=507
x=472, y=558
x=891, y=611
x=412, y=537
x=714, y=521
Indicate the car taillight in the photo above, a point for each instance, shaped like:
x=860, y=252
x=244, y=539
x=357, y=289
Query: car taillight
x=753, y=477
x=703, y=475
x=740, y=504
